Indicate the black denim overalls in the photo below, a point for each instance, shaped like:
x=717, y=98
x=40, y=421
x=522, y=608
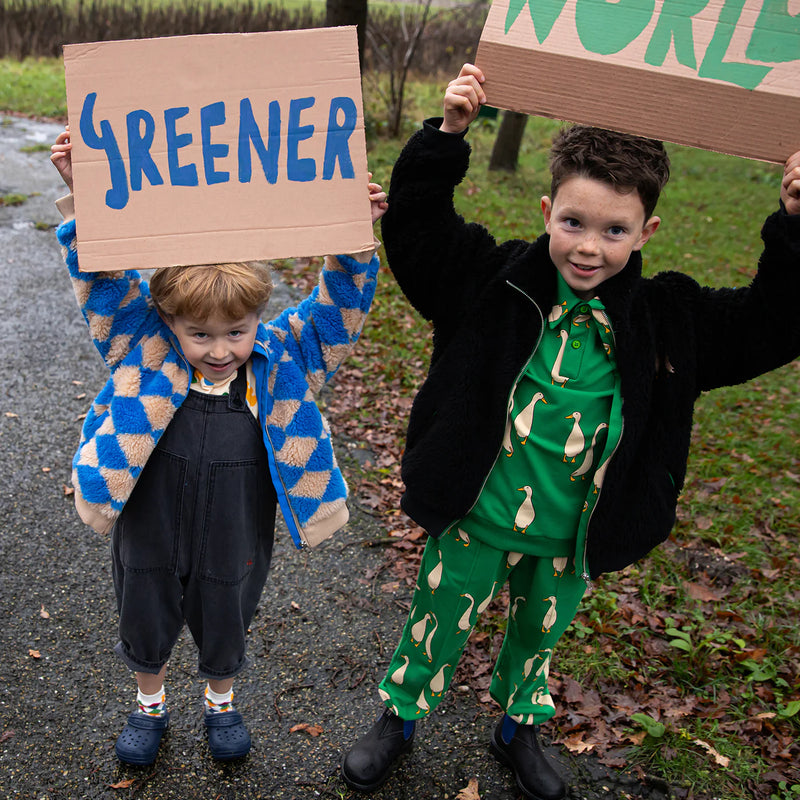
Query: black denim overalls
x=194, y=540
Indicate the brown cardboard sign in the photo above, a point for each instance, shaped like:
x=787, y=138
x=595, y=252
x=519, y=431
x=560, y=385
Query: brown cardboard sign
x=219, y=147
x=720, y=75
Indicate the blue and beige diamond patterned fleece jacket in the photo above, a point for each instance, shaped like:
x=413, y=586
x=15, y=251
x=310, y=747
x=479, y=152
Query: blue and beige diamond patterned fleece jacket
x=294, y=356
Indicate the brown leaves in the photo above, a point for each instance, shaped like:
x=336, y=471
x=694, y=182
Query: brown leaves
x=311, y=730
x=470, y=791
x=723, y=761
x=704, y=593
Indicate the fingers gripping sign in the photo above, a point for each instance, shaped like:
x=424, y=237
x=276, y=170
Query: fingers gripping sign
x=61, y=156
x=377, y=200
x=790, y=185
x=463, y=99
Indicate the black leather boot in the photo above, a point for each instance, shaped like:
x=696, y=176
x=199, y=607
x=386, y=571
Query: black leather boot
x=370, y=760
x=535, y=777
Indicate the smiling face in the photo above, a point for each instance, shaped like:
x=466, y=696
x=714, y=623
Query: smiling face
x=593, y=230
x=216, y=346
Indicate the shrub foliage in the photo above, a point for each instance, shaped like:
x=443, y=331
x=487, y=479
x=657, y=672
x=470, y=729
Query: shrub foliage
x=41, y=27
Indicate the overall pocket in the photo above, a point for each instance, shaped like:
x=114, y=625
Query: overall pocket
x=147, y=533
x=234, y=520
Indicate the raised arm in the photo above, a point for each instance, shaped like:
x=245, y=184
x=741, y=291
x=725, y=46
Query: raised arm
x=758, y=327
x=115, y=305
x=439, y=260
x=323, y=329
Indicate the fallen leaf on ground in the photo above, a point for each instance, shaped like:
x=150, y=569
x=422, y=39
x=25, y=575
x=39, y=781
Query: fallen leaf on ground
x=11, y=414
x=126, y=784
x=311, y=730
x=723, y=761
x=34, y=654
x=576, y=744
x=43, y=613
x=698, y=591
x=470, y=791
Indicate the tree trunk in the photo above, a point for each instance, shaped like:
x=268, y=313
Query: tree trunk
x=348, y=12
x=505, y=152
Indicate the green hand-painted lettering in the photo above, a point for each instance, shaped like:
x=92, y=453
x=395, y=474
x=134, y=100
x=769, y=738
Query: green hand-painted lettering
x=748, y=76
x=608, y=27
x=514, y=9
x=544, y=14
x=776, y=36
x=675, y=24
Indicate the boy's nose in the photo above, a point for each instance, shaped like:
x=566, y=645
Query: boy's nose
x=588, y=244
x=218, y=350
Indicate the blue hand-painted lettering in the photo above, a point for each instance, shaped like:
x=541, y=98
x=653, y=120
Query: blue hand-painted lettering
x=156, y=157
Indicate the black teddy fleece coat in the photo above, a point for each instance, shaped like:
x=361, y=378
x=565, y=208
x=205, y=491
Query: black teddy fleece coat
x=675, y=339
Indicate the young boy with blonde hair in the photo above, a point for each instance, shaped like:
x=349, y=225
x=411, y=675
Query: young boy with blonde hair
x=548, y=443
x=207, y=424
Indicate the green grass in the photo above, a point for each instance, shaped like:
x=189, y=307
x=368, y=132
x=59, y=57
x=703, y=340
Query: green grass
x=707, y=623
x=34, y=87
x=12, y=199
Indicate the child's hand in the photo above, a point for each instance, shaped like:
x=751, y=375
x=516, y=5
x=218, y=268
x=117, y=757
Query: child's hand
x=463, y=99
x=61, y=156
x=377, y=200
x=790, y=186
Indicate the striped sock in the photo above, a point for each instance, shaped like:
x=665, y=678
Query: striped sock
x=218, y=703
x=154, y=705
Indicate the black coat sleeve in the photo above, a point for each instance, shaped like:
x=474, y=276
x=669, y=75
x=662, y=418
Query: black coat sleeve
x=745, y=332
x=439, y=260
x=741, y=333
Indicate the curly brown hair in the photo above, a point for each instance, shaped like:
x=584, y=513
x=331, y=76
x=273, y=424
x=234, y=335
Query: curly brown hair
x=231, y=290
x=624, y=161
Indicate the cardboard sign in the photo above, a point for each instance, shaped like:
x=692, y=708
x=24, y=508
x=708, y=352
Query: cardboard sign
x=221, y=147
x=721, y=75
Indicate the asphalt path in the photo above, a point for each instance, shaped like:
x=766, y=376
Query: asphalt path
x=321, y=639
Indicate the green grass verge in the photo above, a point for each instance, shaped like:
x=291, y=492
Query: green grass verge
x=34, y=86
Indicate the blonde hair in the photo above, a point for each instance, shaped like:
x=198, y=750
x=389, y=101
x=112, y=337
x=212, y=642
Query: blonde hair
x=231, y=290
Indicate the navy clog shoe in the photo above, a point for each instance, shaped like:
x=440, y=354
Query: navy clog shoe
x=228, y=738
x=141, y=737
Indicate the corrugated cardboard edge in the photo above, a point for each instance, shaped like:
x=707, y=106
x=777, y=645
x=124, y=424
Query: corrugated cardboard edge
x=703, y=114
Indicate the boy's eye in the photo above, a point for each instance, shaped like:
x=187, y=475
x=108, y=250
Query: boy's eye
x=235, y=334
x=571, y=222
x=200, y=335
x=617, y=230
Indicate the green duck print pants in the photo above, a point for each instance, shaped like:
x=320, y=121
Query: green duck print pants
x=459, y=576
